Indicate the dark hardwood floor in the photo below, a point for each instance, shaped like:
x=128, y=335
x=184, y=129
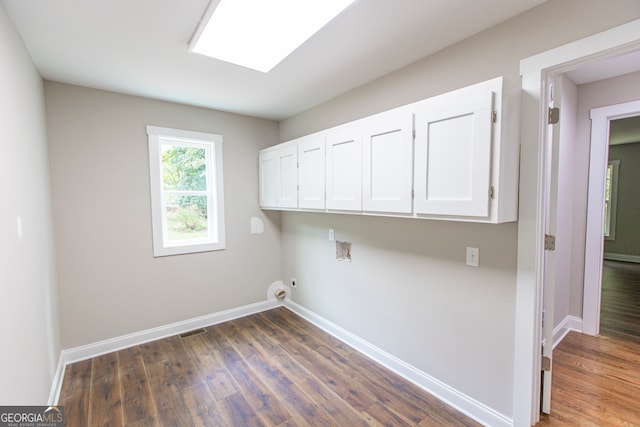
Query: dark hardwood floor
x=596, y=382
x=268, y=369
x=620, y=302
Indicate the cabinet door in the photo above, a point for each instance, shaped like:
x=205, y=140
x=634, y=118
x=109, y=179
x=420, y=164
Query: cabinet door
x=269, y=174
x=287, y=196
x=453, y=154
x=387, y=166
x=344, y=168
x=311, y=179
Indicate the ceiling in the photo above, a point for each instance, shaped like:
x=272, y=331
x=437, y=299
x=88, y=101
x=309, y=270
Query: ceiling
x=139, y=47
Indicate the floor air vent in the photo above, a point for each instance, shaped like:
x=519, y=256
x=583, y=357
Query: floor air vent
x=192, y=333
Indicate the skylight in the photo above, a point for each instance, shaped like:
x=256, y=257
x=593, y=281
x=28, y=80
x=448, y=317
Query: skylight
x=259, y=34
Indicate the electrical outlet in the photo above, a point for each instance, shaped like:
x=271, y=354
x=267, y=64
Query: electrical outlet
x=473, y=257
x=294, y=283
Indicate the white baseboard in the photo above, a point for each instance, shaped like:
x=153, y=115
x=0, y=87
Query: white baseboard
x=465, y=404
x=125, y=341
x=568, y=324
x=56, y=385
x=622, y=257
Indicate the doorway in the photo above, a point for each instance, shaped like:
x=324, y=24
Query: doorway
x=619, y=315
x=602, y=214
x=535, y=72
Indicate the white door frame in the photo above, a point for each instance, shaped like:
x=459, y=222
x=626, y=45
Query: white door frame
x=599, y=156
x=531, y=222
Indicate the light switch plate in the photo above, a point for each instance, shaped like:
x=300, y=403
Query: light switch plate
x=473, y=256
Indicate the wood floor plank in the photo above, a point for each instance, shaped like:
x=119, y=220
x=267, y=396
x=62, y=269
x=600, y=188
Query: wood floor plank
x=341, y=382
x=309, y=330
x=595, y=382
x=210, y=365
x=316, y=391
x=203, y=407
x=105, y=406
x=293, y=398
x=265, y=404
x=164, y=385
x=386, y=416
x=137, y=403
x=241, y=413
x=75, y=395
x=145, y=422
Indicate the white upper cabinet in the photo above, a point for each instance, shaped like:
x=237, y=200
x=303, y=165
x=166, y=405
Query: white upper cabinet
x=344, y=168
x=387, y=167
x=278, y=171
x=451, y=157
x=311, y=172
x=453, y=154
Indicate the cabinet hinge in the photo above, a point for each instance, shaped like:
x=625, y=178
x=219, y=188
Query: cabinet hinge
x=494, y=117
x=545, y=363
x=492, y=192
x=554, y=116
x=549, y=242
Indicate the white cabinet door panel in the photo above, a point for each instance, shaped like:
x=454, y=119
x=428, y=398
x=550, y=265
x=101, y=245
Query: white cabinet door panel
x=269, y=173
x=344, y=168
x=388, y=164
x=311, y=173
x=453, y=154
x=288, y=178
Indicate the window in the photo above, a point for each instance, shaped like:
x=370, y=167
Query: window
x=611, y=200
x=187, y=200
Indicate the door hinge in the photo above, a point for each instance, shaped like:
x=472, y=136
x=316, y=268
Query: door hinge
x=554, y=115
x=492, y=192
x=413, y=194
x=549, y=242
x=494, y=117
x=545, y=363
x=413, y=133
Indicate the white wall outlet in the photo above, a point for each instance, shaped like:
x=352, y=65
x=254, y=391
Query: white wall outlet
x=294, y=282
x=332, y=235
x=473, y=257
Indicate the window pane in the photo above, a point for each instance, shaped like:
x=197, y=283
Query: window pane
x=184, y=168
x=607, y=201
x=186, y=218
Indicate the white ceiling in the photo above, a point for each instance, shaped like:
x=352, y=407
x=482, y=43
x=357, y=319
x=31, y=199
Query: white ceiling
x=139, y=47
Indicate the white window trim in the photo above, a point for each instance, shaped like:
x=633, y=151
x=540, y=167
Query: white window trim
x=156, y=135
x=613, y=200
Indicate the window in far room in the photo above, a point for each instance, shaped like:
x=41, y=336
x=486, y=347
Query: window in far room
x=187, y=200
x=611, y=200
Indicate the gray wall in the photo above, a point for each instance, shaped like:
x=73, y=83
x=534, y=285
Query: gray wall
x=29, y=309
x=570, y=227
x=110, y=283
x=627, y=235
x=408, y=289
